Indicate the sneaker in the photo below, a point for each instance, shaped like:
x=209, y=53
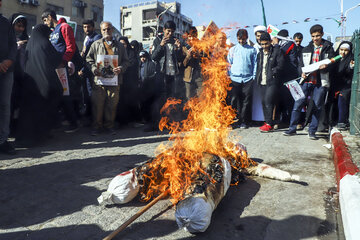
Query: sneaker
x=71, y=128
x=266, y=128
x=341, y=126
x=289, y=132
x=312, y=136
x=244, y=126
x=299, y=127
x=7, y=148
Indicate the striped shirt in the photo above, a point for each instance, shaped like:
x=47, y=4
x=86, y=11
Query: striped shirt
x=315, y=58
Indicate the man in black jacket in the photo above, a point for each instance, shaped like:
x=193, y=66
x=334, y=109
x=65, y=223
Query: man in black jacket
x=316, y=83
x=270, y=61
x=167, y=53
x=8, y=49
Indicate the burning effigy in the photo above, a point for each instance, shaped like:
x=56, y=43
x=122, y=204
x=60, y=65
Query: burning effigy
x=199, y=162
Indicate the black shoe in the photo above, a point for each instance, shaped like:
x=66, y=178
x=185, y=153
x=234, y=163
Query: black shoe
x=312, y=136
x=71, y=128
x=289, y=132
x=244, y=126
x=7, y=148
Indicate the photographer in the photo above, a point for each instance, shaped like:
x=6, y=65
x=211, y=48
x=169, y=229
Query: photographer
x=167, y=53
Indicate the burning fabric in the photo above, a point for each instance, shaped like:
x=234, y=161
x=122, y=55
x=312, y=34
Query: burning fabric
x=198, y=162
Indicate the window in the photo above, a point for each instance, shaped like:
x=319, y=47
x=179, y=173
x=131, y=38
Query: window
x=149, y=32
x=58, y=10
x=149, y=14
x=77, y=12
x=96, y=13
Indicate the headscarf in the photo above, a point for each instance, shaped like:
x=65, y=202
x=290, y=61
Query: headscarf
x=41, y=61
x=16, y=17
x=346, y=60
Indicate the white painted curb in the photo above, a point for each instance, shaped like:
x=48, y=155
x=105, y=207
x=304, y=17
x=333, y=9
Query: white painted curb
x=349, y=196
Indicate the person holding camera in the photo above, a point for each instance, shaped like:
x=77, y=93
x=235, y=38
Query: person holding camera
x=167, y=54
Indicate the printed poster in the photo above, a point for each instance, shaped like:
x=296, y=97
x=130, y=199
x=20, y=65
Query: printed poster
x=295, y=89
x=106, y=65
x=62, y=75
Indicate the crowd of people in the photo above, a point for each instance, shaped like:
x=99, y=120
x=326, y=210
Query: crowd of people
x=111, y=82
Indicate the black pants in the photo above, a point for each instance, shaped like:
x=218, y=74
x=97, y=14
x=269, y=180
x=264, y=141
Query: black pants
x=269, y=100
x=241, y=95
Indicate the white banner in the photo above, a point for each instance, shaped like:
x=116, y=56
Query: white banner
x=62, y=75
x=295, y=89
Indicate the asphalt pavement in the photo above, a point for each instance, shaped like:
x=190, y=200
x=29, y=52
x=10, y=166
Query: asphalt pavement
x=50, y=192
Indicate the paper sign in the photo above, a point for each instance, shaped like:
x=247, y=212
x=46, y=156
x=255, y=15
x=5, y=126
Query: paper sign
x=273, y=31
x=295, y=90
x=62, y=75
x=106, y=65
x=211, y=29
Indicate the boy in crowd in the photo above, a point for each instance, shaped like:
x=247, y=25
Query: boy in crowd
x=167, y=54
x=316, y=83
x=242, y=59
x=298, y=38
x=270, y=61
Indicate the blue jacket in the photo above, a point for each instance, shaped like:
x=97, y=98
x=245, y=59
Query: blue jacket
x=243, y=63
x=63, y=40
x=92, y=38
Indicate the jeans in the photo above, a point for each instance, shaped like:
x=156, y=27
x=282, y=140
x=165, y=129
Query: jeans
x=343, y=105
x=193, y=88
x=318, y=96
x=6, y=84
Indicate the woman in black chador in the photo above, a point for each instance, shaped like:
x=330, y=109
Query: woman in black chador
x=19, y=24
x=42, y=90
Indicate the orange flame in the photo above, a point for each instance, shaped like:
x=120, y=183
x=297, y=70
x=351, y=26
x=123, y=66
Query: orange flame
x=205, y=130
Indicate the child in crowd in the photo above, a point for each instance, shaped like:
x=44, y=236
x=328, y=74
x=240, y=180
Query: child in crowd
x=344, y=71
x=270, y=61
x=316, y=83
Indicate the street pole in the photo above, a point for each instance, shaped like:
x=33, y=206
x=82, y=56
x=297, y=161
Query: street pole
x=263, y=11
x=342, y=17
x=158, y=19
x=345, y=16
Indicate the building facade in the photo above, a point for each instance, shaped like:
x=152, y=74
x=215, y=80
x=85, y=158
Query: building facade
x=142, y=21
x=77, y=10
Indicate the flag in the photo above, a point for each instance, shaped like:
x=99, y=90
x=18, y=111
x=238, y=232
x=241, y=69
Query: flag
x=338, y=22
x=273, y=31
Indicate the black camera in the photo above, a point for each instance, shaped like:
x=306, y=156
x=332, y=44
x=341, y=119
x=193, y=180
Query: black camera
x=171, y=40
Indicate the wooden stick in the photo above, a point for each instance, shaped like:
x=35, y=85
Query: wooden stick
x=134, y=217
